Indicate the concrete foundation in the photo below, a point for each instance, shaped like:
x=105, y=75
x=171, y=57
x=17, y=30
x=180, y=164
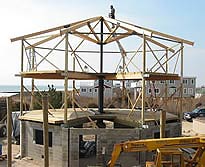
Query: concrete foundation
x=64, y=150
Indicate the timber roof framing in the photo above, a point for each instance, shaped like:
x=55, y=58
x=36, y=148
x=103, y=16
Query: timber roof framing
x=89, y=30
x=130, y=29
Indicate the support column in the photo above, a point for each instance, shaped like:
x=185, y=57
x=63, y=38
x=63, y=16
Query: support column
x=143, y=80
x=32, y=80
x=163, y=111
x=21, y=104
x=9, y=132
x=73, y=92
x=101, y=80
x=123, y=83
x=66, y=80
x=45, y=130
x=181, y=83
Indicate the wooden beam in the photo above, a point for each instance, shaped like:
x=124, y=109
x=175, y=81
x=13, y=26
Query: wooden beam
x=159, y=44
x=45, y=130
x=9, y=132
x=92, y=30
x=115, y=38
x=43, y=41
x=86, y=37
x=49, y=30
x=152, y=32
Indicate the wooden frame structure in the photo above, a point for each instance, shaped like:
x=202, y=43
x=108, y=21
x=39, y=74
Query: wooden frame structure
x=158, y=56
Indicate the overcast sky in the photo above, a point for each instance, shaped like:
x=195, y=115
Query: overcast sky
x=181, y=18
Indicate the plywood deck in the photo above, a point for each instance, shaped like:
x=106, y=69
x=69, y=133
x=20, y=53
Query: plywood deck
x=120, y=115
x=60, y=74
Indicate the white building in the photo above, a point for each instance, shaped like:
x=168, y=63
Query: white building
x=157, y=88
x=92, y=89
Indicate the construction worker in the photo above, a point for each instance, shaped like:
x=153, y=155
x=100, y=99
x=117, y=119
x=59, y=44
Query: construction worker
x=112, y=14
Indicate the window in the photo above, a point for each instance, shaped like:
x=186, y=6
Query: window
x=171, y=81
x=162, y=82
x=185, y=81
x=95, y=90
x=190, y=90
x=185, y=90
x=90, y=90
x=156, y=91
x=172, y=90
x=38, y=137
x=192, y=81
x=83, y=90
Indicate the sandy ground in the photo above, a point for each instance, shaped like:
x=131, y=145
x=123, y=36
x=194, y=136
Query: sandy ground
x=29, y=162
x=25, y=162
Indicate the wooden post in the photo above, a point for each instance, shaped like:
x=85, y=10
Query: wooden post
x=181, y=83
x=45, y=130
x=9, y=131
x=32, y=80
x=21, y=103
x=73, y=92
x=143, y=80
x=163, y=112
x=66, y=80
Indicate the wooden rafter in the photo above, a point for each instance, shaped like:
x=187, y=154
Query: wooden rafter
x=92, y=30
x=86, y=37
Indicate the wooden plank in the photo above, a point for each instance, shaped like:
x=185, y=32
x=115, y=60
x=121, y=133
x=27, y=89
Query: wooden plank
x=115, y=38
x=159, y=44
x=92, y=30
x=43, y=41
x=157, y=33
x=85, y=37
x=58, y=74
x=48, y=30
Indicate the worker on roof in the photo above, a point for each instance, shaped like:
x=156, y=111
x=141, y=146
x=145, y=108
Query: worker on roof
x=112, y=14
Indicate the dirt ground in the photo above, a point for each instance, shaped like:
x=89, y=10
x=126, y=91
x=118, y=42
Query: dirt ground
x=25, y=162
x=28, y=161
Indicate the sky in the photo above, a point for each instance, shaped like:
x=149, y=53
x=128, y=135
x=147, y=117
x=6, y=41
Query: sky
x=182, y=18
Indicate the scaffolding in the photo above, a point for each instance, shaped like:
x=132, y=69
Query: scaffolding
x=58, y=53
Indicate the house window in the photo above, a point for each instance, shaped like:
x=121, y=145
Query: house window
x=185, y=81
x=90, y=90
x=156, y=91
x=162, y=82
x=190, y=90
x=83, y=90
x=185, y=90
x=171, y=81
x=38, y=137
x=95, y=90
x=192, y=81
x=172, y=90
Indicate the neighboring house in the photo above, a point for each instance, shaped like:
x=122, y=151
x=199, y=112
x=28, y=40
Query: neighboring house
x=157, y=88
x=200, y=91
x=92, y=90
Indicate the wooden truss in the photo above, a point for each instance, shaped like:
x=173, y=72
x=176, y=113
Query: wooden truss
x=157, y=56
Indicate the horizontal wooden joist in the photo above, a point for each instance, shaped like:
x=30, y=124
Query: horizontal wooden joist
x=60, y=74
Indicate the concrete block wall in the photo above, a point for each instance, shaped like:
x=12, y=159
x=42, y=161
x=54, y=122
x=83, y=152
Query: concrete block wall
x=105, y=138
x=58, y=153
x=66, y=143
